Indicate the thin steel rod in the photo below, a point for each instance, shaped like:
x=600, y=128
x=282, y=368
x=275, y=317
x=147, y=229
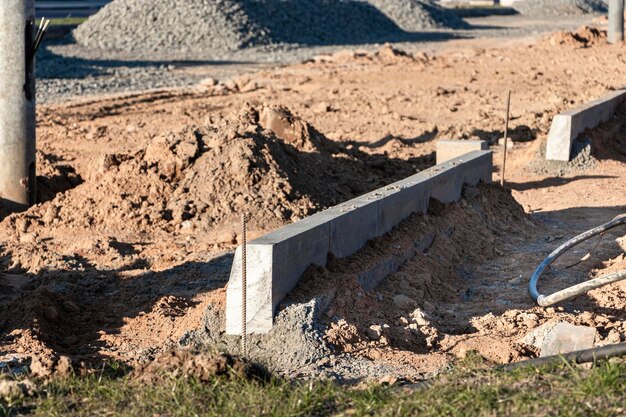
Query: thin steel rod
x=244, y=286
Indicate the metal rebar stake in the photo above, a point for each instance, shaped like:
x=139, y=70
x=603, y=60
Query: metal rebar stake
x=506, y=137
x=244, y=287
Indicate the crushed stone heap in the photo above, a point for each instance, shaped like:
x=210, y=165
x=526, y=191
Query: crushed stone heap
x=539, y=8
x=416, y=15
x=220, y=27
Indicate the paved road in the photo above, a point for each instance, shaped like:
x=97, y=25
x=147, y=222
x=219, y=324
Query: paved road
x=68, y=8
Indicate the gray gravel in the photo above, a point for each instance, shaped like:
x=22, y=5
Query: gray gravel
x=218, y=28
x=416, y=15
x=293, y=348
x=540, y=8
x=66, y=70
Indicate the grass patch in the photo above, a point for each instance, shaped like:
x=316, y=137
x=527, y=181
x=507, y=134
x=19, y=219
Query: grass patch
x=468, y=391
x=64, y=21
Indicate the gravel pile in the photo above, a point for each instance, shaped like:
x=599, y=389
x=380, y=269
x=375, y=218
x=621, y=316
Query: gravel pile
x=220, y=27
x=539, y=8
x=416, y=15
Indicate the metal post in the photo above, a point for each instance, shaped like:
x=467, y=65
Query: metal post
x=616, y=21
x=17, y=105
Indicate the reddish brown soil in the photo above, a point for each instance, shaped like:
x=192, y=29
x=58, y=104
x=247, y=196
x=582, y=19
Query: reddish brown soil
x=140, y=192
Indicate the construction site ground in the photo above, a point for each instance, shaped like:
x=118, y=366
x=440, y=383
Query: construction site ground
x=91, y=282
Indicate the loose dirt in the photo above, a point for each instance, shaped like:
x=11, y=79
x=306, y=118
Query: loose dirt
x=93, y=273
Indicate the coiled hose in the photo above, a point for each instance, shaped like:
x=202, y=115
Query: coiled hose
x=548, y=300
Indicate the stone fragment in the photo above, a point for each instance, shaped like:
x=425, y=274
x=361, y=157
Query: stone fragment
x=404, y=302
x=420, y=317
x=565, y=338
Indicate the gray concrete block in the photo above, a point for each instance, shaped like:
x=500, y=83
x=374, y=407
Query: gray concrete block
x=451, y=149
x=277, y=261
x=567, y=126
x=565, y=338
x=355, y=222
x=275, y=264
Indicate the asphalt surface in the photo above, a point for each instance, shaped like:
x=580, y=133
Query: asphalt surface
x=68, y=8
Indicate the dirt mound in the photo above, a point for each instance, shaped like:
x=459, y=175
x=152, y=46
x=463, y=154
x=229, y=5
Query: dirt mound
x=264, y=162
x=584, y=36
x=608, y=141
x=540, y=8
x=203, y=367
x=412, y=312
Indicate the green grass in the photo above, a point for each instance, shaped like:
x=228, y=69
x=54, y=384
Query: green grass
x=555, y=391
x=75, y=21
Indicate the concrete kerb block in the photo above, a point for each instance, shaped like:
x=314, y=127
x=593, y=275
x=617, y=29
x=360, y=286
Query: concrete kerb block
x=275, y=264
x=451, y=149
x=568, y=125
x=352, y=225
x=277, y=261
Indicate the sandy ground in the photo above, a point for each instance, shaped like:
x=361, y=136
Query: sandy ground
x=110, y=285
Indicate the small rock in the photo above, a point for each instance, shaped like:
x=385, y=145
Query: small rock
x=51, y=313
x=388, y=380
x=52, y=212
x=15, y=389
x=374, y=332
x=404, y=302
x=63, y=367
x=228, y=237
x=565, y=338
x=209, y=82
x=428, y=307
x=420, y=317
x=321, y=107
x=28, y=238
x=509, y=144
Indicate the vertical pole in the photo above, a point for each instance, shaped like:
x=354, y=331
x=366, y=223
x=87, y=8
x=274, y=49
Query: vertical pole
x=244, y=286
x=506, y=137
x=616, y=21
x=17, y=105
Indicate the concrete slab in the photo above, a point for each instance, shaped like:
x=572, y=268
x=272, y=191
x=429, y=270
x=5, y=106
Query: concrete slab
x=567, y=126
x=450, y=149
x=277, y=261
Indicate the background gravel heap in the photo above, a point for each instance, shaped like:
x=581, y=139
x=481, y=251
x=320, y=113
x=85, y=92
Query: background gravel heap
x=540, y=8
x=416, y=15
x=222, y=26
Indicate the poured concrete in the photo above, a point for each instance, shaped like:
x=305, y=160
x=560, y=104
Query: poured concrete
x=568, y=125
x=450, y=149
x=277, y=261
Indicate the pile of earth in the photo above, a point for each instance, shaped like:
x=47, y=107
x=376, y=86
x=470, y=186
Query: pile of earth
x=584, y=36
x=265, y=163
x=220, y=27
x=417, y=15
x=541, y=8
x=337, y=323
